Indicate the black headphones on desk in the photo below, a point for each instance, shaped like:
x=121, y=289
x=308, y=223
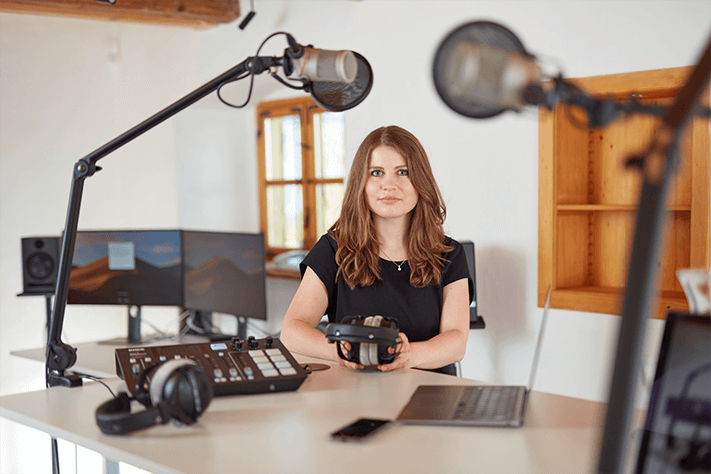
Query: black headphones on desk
x=369, y=337
x=179, y=389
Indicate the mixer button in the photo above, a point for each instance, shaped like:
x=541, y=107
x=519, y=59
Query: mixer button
x=270, y=373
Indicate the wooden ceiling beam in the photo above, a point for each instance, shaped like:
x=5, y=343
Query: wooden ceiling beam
x=190, y=13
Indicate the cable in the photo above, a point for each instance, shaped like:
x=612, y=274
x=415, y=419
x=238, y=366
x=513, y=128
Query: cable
x=96, y=379
x=283, y=82
x=250, y=73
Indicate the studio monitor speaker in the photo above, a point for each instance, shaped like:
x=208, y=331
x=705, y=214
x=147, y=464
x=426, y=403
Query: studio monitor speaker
x=40, y=262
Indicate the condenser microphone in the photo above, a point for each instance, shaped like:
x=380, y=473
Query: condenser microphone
x=322, y=65
x=481, y=69
x=489, y=77
x=337, y=80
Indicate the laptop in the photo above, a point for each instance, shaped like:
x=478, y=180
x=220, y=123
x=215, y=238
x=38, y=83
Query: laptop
x=474, y=405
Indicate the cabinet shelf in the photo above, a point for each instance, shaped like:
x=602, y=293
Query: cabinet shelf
x=607, y=300
x=588, y=199
x=612, y=207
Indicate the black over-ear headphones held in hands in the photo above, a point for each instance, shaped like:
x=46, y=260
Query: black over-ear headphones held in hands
x=179, y=389
x=369, y=337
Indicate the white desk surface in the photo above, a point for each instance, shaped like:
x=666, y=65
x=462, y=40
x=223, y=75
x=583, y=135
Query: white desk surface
x=98, y=358
x=288, y=432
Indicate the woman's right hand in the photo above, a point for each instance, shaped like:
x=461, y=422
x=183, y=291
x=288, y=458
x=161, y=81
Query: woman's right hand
x=345, y=348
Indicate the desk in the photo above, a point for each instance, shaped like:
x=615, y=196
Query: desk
x=98, y=359
x=288, y=432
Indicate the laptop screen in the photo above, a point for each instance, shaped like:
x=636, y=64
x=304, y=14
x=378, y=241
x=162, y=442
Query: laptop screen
x=539, y=343
x=677, y=431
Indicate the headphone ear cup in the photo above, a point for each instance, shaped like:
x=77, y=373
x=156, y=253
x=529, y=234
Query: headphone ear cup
x=183, y=387
x=194, y=392
x=161, y=376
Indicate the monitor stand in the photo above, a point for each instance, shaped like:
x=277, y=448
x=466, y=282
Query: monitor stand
x=134, y=329
x=202, y=321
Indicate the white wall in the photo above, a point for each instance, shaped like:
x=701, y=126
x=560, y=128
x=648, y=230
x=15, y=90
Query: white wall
x=69, y=86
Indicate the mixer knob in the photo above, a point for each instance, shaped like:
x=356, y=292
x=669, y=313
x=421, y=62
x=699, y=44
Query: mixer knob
x=237, y=343
x=253, y=343
x=269, y=341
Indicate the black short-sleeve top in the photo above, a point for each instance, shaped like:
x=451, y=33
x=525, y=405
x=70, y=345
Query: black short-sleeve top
x=417, y=310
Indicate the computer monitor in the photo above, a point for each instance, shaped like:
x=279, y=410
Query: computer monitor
x=225, y=273
x=677, y=431
x=127, y=268
x=202, y=271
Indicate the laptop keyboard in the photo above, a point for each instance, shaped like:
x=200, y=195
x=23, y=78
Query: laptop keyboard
x=496, y=403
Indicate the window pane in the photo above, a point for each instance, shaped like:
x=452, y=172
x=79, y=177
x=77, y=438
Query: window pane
x=285, y=216
x=329, y=198
x=282, y=147
x=329, y=145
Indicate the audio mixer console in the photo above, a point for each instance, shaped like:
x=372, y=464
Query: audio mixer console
x=235, y=367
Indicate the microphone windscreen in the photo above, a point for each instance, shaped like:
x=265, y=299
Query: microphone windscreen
x=477, y=68
x=340, y=96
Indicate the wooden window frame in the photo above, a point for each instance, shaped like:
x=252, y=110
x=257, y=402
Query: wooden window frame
x=306, y=108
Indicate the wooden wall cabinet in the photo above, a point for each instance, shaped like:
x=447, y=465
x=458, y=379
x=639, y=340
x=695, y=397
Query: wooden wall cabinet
x=588, y=198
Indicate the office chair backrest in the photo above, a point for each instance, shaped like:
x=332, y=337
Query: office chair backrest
x=469, y=250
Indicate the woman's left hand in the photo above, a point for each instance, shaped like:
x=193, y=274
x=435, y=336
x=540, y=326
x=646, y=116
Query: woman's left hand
x=404, y=358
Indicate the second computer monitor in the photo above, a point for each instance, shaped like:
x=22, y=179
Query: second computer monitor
x=224, y=273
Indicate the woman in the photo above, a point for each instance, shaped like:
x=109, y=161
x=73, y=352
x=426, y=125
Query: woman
x=387, y=255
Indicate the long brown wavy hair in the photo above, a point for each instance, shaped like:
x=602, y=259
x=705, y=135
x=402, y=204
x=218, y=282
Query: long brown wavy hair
x=358, y=246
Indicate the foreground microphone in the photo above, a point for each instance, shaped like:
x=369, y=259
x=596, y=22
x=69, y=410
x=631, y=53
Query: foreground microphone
x=481, y=70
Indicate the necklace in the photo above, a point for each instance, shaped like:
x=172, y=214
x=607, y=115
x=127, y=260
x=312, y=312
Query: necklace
x=398, y=265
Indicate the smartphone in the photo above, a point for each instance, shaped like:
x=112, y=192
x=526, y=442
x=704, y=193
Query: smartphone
x=359, y=429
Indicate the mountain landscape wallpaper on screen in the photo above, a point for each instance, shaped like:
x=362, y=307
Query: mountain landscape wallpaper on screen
x=225, y=273
x=145, y=285
x=205, y=271
x=155, y=280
